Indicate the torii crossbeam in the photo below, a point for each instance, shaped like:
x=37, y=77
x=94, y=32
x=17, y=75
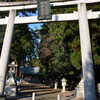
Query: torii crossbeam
x=82, y=15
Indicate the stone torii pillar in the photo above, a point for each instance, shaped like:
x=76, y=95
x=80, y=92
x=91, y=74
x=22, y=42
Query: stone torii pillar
x=86, y=52
x=5, y=53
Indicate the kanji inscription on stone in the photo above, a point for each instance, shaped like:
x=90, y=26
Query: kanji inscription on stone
x=44, y=10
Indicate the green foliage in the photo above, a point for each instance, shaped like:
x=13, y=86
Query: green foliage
x=75, y=59
x=65, y=57
x=23, y=41
x=2, y=28
x=36, y=62
x=64, y=48
x=75, y=55
x=95, y=36
x=23, y=44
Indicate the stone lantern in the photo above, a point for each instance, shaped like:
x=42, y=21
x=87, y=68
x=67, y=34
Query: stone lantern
x=13, y=66
x=56, y=83
x=10, y=87
x=63, y=85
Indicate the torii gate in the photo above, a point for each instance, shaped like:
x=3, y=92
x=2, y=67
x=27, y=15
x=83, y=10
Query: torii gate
x=82, y=15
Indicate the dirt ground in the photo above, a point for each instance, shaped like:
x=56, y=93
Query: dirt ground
x=42, y=92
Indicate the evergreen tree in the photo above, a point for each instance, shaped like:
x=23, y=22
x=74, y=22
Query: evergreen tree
x=65, y=57
x=24, y=39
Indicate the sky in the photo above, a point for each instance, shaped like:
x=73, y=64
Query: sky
x=34, y=26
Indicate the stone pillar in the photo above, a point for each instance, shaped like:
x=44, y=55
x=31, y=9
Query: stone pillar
x=64, y=85
x=79, y=90
x=86, y=54
x=33, y=96
x=10, y=87
x=55, y=85
x=5, y=53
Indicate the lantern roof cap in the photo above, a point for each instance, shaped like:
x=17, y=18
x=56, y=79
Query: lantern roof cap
x=63, y=79
x=13, y=64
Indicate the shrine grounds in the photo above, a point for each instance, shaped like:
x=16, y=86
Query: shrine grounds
x=42, y=92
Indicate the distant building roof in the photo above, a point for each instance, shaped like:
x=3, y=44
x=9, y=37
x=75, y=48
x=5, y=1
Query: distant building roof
x=31, y=70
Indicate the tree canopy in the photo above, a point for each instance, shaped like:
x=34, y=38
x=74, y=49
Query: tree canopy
x=60, y=47
x=24, y=40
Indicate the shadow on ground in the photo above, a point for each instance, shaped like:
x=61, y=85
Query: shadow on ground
x=42, y=92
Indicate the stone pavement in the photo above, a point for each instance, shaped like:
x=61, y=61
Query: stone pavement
x=42, y=92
